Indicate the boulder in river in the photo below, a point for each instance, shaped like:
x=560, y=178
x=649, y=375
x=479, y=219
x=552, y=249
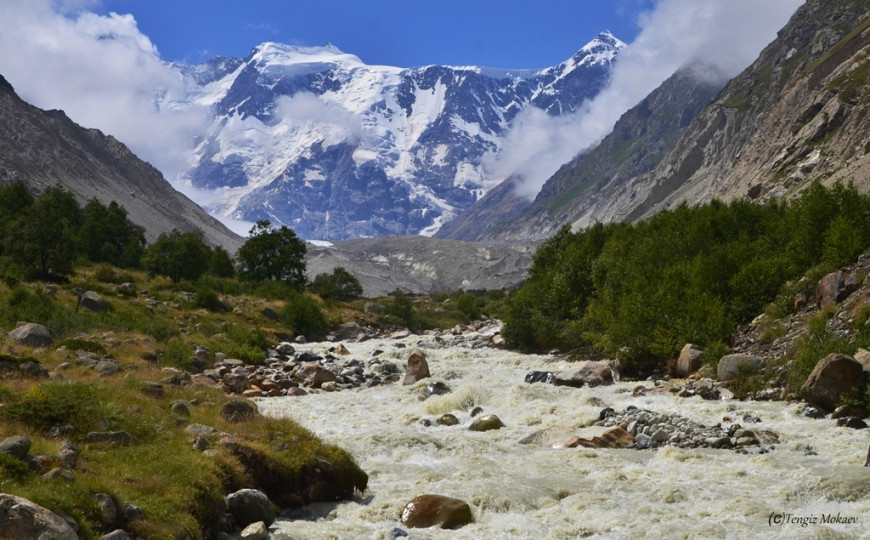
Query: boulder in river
x=730, y=365
x=835, y=376
x=486, y=422
x=590, y=373
x=418, y=368
x=250, y=506
x=430, y=510
x=689, y=361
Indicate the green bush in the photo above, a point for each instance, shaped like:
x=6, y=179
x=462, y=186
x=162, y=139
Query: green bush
x=469, y=305
x=818, y=342
x=76, y=344
x=400, y=310
x=339, y=285
x=53, y=403
x=177, y=353
x=302, y=313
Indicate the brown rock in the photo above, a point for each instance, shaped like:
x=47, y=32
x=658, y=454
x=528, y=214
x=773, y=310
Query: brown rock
x=314, y=375
x=589, y=373
x=862, y=356
x=689, y=361
x=834, y=376
x=486, y=423
x=614, y=437
x=429, y=510
x=834, y=288
x=418, y=368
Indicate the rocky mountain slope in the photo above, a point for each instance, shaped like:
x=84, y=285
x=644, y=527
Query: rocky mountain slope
x=639, y=140
x=42, y=148
x=317, y=140
x=797, y=114
x=418, y=264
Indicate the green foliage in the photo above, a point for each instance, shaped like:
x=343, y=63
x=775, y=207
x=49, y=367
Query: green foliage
x=401, y=310
x=640, y=292
x=271, y=254
x=207, y=298
x=42, y=238
x=221, y=264
x=53, y=403
x=107, y=235
x=12, y=467
x=178, y=255
x=818, y=342
x=302, y=313
x=242, y=342
x=177, y=353
x=339, y=285
x=469, y=305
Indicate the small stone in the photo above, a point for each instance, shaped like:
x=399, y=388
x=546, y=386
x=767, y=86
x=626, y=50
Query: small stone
x=60, y=474
x=255, y=531
x=447, y=420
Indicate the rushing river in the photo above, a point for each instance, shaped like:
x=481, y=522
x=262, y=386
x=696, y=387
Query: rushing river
x=814, y=473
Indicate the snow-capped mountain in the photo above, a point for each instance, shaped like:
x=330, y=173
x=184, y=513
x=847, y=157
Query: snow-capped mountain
x=313, y=138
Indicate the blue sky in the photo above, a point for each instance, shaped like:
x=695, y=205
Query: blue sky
x=404, y=33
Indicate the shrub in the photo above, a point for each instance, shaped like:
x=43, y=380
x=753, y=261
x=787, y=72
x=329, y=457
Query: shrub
x=83, y=345
x=55, y=402
x=339, y=285
x=177, y=354
x=469, y=305
x=818, y=342
x=302, y=313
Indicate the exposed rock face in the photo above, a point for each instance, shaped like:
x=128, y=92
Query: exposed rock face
x=834, y=288
x=798, y=113
x=423, y=265
x=430, y=510
x=20, y=518
x=49, y=148
x=580, y=190
x=834, y=376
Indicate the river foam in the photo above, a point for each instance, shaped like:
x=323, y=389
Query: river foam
x=796, y=490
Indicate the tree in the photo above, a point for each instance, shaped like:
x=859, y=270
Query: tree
x=42, y=238
x=339, y=285
x=221, y=264
x=272, y=254
x=178, y=255
x=107, y=235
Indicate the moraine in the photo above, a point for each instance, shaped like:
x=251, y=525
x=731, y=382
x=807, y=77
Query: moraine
x=812, y=475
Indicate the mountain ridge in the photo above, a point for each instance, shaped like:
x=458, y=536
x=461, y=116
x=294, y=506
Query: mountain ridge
x=43, y=148
x=312, y=138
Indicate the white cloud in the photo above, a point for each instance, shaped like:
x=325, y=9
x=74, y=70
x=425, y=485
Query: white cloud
x=336, y=123
x=726, y=34
x=102, y=71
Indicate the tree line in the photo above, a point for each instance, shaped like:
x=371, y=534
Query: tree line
x=639, y=292
x=44, y=237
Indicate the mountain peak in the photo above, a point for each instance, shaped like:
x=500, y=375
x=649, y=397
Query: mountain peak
x=273, y=53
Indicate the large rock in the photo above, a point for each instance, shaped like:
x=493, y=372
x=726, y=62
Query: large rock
x=430, y=510
x=834, y=376
x=730, y=365
x=20, y=518
x=689, y=361
x=418, y=368
x=347, y=331
x=834, y=288
x=238, y=411
x=250, y=506
x=92, y=301
x=314, y=375
x=17, y=446
x=588, y=374
x=32, y=335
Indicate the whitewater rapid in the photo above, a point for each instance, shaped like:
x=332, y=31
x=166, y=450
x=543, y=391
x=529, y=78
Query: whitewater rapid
x=812, y=484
